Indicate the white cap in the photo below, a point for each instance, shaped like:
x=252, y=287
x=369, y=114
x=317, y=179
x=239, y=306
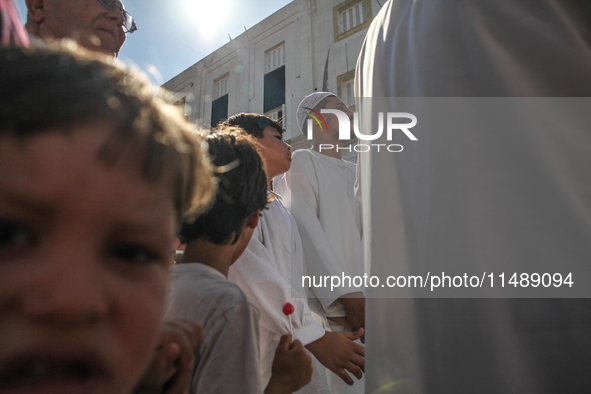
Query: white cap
x=309, y=102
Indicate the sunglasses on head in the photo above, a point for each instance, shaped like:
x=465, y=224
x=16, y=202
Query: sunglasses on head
x=128, y=22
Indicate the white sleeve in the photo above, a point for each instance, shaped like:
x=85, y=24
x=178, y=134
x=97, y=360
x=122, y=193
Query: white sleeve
x=299, y=188
x=253, y=273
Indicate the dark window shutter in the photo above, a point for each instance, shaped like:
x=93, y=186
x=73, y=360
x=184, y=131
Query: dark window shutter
x=274, y=89
x=219, y=110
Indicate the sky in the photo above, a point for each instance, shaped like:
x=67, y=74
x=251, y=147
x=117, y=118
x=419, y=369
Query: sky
x=173, y=35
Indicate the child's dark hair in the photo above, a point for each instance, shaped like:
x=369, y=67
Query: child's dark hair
x=55, y=90
x=241, y=191
x=253, y=124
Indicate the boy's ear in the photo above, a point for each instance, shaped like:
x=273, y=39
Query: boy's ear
x=36, y=9
x=253, y=221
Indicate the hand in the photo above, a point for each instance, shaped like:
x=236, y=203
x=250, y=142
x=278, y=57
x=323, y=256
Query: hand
x=171, y=367
x=337, y=352
x=355, y=312
x=292, y=367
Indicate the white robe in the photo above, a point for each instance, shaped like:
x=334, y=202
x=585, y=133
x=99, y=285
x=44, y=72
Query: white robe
x=264, y=271
x=533, y=204
x=318, y=190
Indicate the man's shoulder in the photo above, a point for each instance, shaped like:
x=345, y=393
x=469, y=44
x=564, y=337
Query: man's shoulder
x=302, y=155
x=303, y=159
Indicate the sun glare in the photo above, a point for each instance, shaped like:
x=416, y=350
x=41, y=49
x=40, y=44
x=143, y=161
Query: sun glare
x=209, y=15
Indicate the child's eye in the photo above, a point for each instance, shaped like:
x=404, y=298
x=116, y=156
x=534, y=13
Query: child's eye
x=14, y=235
x=134, y=254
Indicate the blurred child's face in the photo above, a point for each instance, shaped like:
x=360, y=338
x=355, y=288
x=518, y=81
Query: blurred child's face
x=84, y=251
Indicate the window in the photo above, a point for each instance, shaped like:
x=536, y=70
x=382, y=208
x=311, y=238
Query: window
x=220, y=87
x=219, y=106
x=276, y=114
x=351, y=17
x=346, y=89
x=346, y=92
x=275, y=58
x=274, y=83
x=219, y=110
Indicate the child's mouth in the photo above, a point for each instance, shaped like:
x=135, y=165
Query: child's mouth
x=51, y=374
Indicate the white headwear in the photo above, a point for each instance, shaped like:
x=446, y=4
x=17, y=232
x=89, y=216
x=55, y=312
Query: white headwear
x=309, y=102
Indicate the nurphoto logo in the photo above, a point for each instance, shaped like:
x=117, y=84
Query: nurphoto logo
x=392, y=124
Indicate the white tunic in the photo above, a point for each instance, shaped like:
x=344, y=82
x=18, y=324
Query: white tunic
x=228, y=360
x=264, y=272
x=531, y=204
x=318, y=190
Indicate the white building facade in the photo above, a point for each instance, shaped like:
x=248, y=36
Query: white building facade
x=307, y=46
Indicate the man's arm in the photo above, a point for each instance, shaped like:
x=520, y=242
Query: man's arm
x=354, y=313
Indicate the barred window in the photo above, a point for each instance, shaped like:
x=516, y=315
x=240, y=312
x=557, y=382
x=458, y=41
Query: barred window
x=274, y=58
x=352, y=17
x=346, y=89
x=220, y=87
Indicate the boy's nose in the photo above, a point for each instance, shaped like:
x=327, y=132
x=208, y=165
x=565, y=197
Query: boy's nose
x=70, y=289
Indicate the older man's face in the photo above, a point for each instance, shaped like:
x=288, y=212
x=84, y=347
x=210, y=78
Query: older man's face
x=86, y=21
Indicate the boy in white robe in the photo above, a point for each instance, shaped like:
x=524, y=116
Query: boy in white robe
x=228, y=360
x=264, y=271
x=319, y=192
